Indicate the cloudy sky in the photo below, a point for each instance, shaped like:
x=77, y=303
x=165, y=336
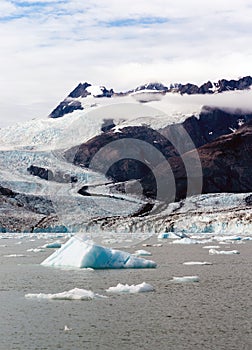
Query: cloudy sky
x=49, y=46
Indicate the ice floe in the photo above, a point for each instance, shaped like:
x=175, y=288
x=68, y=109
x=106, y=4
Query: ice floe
x=185, y=279
x=223, y=252
x=211, y=247
x=185, y=241
x=125, y=288
x=142, y=252
x=73, y=294
x=14, y=256
x=197, y=263
x=36, y=250
x=55, y=245
x=77, y=252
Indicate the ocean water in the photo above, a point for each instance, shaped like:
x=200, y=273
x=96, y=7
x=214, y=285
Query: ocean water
x=214, y=313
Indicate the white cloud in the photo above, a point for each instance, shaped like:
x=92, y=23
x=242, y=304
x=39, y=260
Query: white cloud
x=48, y=49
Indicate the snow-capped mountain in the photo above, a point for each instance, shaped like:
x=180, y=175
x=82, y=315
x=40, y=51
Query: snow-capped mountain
x=79, y=98
x=101, y=161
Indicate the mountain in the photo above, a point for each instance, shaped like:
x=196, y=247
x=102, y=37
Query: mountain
x=79, y=98
x=90, y=168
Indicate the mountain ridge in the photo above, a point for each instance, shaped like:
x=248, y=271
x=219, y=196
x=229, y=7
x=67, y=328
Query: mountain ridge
x=83, y=90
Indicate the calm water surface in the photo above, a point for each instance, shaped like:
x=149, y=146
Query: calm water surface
x=215, y=313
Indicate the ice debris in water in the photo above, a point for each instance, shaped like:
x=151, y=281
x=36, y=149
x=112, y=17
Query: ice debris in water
x=185, y=241
x=125, y=288
x=142, y=252
x=15, y=256
x=197, y=263
x=36, y=250
x=166, y=235
x=211, y=247
x=55, y=245
x=73, y=294
x=185, y=279
x=223, y=252
x=77, y=252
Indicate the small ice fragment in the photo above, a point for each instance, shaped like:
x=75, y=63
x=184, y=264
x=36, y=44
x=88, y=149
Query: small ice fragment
x=142, y=252
x=35, y=250
x=197, y=263
x=185, y=241
x=164, y=235
x=125, y=288
x=73, y=294
x=55, y=245
x=223, y=252
x=185, y=279
x=211, y=247
x=14, y=256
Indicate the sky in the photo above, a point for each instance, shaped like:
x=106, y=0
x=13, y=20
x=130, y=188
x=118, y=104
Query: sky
x=47, y=47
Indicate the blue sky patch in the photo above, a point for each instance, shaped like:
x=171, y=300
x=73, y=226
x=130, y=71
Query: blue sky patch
x=143, y=21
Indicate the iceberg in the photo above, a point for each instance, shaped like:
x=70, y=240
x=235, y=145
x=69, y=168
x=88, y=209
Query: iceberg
x=77, y=252
x=73, y=294
x=125, y=288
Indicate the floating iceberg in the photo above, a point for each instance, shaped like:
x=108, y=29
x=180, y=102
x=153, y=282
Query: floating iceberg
x=223, y=252
x=185, y=279
x=73, y=294
x=189, y=263
x=125, y=288
x=166, y=235
x=79, y=253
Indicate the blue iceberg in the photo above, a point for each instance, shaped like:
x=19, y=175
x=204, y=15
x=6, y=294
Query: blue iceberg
x=86, y=254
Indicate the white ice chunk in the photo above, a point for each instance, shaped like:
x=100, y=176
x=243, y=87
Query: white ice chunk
x=185, y=279
x=14, y=256
x=223, y=252
x=185, y=241
x=211, y=247
x=73, y=294
x=142, y=252
x=125, y=288
x=79, y=253
x=197, y=263
x=36, y=250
